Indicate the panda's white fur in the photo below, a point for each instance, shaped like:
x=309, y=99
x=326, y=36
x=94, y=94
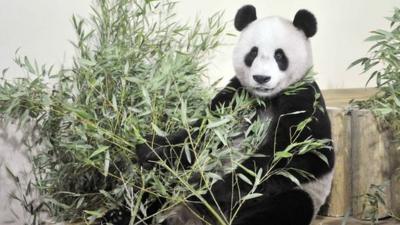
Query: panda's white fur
x=319, y=190
x=269, y=34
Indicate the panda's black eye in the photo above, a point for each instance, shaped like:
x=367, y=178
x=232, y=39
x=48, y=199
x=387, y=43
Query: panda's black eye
x=278, y=56
x=254, y=52
x=248, y=60
x=281, y=59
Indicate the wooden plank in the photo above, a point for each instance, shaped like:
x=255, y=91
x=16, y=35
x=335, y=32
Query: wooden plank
x=370, y=159
x=342, y=97
x=350, y=221
x=375, y=159
x=395, y=191
x=340, y=198
x=394, y=157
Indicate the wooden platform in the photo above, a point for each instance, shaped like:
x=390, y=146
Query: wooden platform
x=350, y=221
x=342, y=97
x=365, y=155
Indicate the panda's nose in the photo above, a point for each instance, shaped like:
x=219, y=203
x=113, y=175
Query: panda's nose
x=261, y=79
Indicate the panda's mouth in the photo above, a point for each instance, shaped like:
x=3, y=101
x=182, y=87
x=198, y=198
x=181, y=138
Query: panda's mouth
x=263, y=89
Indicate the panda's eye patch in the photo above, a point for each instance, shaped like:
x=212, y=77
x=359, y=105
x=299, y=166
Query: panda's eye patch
x=281, y=59
x=254, y=51
x=248, y=60
x=278, y=55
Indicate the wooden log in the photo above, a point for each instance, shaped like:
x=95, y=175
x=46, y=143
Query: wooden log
x=394, y=156
x=350, y=221
x=339, y=202
x=374, y=159
x=370, y=161
x=395, y=191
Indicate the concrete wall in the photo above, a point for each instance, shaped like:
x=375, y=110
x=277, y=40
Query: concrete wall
x=12, y=157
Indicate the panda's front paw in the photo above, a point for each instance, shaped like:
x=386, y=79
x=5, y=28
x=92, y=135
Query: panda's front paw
x=147, y=156
x=120, y=216
x=151, y=151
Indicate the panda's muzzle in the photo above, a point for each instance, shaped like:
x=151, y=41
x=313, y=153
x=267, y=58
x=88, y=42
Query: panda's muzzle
x=261, y=79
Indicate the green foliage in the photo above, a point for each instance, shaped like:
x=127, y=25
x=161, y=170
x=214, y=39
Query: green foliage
x=135, y=66
x=136, y=72
x=382, y=63
x=372, y=201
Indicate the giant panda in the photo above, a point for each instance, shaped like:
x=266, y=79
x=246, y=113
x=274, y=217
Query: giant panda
x=271, y=54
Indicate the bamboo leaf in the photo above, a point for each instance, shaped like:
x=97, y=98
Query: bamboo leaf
x=283, y=154
x=251, y=196
x=184, y=112
x=289, y=176
x=375, y=37
x=221, y=137
x=158, y=131
x=214, y=176
x=96, y=214
x=98, y=151
x=187, y=153
x=107, y=163
x=244, y=178
x=358, y=61
x=4, y=71
x=218, y=123
x=114, y=103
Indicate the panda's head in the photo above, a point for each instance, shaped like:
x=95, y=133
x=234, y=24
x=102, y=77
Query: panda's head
x=272, y=53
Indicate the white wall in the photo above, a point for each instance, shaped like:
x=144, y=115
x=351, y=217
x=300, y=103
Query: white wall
x=342, y=27
x=42, y=28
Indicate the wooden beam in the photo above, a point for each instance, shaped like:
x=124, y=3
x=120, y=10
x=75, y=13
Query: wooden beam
x=370, y=159
x=342, y=97
x=340, y=198
x=350, y=221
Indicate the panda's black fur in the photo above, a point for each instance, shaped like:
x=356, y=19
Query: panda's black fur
x=283, y=202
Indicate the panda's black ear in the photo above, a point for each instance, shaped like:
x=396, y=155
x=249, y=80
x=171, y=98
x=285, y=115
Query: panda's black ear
x=245, y=16
x=305, y=21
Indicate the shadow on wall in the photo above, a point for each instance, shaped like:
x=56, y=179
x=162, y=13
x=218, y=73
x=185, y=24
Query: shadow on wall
x=12, y=159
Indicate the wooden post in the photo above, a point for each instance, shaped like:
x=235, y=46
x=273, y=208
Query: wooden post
x=395, y=175
x=372, y=156
x=395, y=190
x=370, y=160
x=340, y=198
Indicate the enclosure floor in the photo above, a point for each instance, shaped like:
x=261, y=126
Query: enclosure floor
x=338, y=221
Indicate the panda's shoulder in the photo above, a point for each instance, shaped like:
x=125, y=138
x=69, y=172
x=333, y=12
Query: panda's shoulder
x=304, y=98
x=309, y=91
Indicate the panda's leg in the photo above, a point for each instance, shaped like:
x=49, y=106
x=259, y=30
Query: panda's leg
x=293, y=207
x=122, y=215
